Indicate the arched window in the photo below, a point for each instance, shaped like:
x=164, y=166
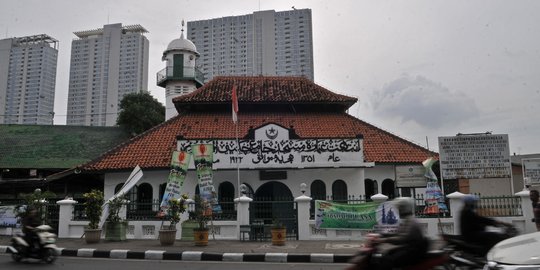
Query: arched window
x=339, y=191
x=118, y=187
x=226, y=198
x=162, y=190
x=144, y=197
x=369, y=187
x=388, y=188
x=318, y=190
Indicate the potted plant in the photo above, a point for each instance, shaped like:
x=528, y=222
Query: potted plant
x=115, y=227
x=167, y=234
x=279, y=232
x=93, y=210
x=201, y=215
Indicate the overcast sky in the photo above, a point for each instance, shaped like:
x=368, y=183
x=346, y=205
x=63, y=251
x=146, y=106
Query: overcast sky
x=420, y=69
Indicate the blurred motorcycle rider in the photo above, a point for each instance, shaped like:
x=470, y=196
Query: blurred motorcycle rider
x=409, y=243
x=30, y=222
x=473, y=226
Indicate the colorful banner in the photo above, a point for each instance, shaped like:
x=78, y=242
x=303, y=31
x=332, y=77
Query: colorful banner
x=175, y=183
x=382, y=217
x=434, y=197
x=203, y=158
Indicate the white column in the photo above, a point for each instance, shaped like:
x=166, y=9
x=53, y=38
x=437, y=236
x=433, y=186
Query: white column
x=456, y=204
x=64, y=217
x=303, y=205
x=242, y=212
x=526, y=207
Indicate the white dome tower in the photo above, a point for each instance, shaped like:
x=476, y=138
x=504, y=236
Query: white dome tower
x=180, y=76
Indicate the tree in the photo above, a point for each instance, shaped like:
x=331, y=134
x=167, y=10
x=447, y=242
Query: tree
x=140, y=112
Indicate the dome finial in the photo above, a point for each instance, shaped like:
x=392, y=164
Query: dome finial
x=182, y=35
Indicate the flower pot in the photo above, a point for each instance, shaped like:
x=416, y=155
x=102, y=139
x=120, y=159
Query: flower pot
x=167, y=237
x=92, y=236
x=278, y=236
x=187, y=229
x=201, y=237
x=115, y=231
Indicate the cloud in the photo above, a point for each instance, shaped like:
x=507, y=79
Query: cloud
x=420, y=100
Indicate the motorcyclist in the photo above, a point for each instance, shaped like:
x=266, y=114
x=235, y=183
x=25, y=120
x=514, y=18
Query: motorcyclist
x=30, y=222
x=473, y=227
x=409, y=245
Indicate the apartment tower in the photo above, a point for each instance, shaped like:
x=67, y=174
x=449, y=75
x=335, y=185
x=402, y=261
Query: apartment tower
x=28, y=79
x=262, y=43
x=106, y=64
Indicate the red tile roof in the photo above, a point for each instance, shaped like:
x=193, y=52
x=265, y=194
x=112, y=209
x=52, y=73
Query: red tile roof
x=153, y=148
x=266, y=90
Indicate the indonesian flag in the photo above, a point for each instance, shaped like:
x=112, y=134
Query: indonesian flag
x=234, y=105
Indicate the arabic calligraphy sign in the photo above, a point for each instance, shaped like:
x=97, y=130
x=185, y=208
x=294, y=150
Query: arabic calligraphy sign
x=294, y=153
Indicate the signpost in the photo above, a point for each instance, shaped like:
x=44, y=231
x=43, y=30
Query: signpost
x=531, y=171
x=410, y=176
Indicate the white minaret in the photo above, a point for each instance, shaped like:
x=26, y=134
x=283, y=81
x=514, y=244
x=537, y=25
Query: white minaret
x=180, y=76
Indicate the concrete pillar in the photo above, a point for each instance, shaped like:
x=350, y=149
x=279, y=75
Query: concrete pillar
x=456, y=204
x=242, y=212
x=526, y=207
x=303, y=205
x=64, y=216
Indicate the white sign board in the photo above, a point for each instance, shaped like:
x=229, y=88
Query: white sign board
x=475, y=156
x=284, y=153
x=531, y=170
x=411, y=176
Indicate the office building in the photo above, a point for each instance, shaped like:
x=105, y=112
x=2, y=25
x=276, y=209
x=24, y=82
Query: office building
x=28, y=79
x=262, y=43
x=106, y=64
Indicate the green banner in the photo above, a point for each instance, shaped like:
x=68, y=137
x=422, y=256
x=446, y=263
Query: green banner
x=203, y=158
x=175, y=183
x=362, y=216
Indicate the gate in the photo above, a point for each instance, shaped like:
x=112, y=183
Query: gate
x=265, y=212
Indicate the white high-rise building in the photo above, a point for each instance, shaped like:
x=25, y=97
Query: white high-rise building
x=106, y=64
x=28, y=79
x=262, y=43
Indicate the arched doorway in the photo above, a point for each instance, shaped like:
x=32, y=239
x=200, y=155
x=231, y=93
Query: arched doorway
x=273, y=201
x=388, y=188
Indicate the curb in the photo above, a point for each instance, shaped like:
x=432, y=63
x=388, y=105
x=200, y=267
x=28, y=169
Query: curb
x=201, y=256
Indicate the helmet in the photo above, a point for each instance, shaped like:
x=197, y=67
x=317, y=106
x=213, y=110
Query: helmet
x=405, y=206
x=470, y=201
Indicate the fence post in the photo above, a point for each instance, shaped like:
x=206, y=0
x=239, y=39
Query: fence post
x=456, y=204
x=242, y=212
x=526, y=208
x=64, y=216
x=303, y=203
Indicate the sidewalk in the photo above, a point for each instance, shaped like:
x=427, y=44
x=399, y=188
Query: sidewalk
x=217, y=250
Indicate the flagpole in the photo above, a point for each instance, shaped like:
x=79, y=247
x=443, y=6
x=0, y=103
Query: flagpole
x=237, y=163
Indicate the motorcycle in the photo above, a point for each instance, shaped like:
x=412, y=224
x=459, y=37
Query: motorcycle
x=42, y=246
x=371, y=252
x=467, y=255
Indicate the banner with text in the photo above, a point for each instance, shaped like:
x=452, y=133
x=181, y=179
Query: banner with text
x=8, y=216
x=475, y=156
x=175, y=183
x=531, y=171
x=381, y=217
x=203, y=159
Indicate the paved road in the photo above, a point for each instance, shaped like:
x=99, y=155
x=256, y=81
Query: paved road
x=115, y=264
